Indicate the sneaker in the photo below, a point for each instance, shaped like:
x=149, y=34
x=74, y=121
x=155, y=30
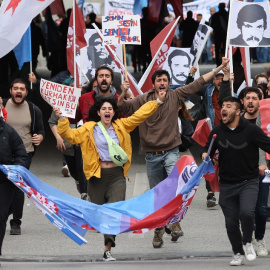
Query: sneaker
x=176, y=231
x=107, y=256
x=158, y=234
x=249, y=252
x=261, y=248
x=15, y=229
x=238, y=259
x=211, y=200
x=65, y=171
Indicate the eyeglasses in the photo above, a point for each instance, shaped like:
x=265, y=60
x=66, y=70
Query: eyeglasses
x=19, y=88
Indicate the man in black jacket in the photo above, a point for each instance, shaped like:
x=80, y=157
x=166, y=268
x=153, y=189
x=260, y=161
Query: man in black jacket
x=238, y=142
x=12, y=153
x=26, y=118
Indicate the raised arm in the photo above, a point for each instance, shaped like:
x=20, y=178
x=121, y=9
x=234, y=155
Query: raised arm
x=143, y=112
x=124, y=88
x=208, y=76
x=73, y=136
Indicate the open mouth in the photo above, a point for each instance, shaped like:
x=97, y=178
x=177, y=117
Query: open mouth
x=107, y=116
x=224, y=115
x=18, y=96
x=162, y=88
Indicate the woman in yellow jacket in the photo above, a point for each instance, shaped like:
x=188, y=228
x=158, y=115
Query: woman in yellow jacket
x=107, y=182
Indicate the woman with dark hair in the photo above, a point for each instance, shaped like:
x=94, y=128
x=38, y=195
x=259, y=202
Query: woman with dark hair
x=106, y=180
x=90, y=86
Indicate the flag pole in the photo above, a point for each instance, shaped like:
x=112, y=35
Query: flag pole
x=125, y=61
x=30, y=51
x=74, y=45
x=231, y=67
x=228, y=31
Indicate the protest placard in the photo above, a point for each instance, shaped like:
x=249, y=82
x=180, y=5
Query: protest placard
x=121, y=29
x=63, y=97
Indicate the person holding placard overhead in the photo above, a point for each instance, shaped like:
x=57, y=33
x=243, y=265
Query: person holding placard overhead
x=106, y=151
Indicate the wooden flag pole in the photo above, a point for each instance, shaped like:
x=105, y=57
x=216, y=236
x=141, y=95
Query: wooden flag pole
x=125, y=61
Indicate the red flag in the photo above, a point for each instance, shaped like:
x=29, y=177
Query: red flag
x=57, y=8
x=80, y=30
x=177, y=7
x=160, y=46
x=246, y=64
x=154, y=6
x=202, y=131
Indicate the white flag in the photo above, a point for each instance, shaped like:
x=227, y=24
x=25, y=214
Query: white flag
x=15, y=17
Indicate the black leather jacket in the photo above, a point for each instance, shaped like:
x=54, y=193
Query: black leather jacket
x=12, y=150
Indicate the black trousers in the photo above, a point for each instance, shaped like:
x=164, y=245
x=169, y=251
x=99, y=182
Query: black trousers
x=238, y=203
x=7, y=189
x=111, y=187
x=16, y=207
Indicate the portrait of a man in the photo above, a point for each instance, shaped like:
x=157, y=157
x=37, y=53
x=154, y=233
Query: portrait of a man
x=252, y=23
x=179, y=63
x=198, y=40
x=95, y=55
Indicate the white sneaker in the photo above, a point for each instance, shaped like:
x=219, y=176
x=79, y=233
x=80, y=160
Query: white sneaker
x=65, y=171
x=261, y=248
x=238, y=259
x=249, y=252
x=108, y=256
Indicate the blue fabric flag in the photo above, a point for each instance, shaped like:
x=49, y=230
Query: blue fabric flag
x=23, y=51
x=139, y=5
x=80, y=5
x=166, y=203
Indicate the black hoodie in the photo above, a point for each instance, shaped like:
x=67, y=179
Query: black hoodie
x=238, y=150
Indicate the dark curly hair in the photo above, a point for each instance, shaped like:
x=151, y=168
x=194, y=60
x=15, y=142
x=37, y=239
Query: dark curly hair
x=93, y=115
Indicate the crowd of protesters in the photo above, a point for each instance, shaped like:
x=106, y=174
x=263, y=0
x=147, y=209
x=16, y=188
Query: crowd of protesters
x=107, y=112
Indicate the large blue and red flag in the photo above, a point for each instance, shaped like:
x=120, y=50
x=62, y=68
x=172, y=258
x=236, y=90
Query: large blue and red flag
x=166, y=203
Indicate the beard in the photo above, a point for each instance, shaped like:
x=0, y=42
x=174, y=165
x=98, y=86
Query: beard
x=18, y=103
x=102, y=90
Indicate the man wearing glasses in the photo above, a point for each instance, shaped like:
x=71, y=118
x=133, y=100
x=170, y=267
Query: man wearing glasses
x=26, y=118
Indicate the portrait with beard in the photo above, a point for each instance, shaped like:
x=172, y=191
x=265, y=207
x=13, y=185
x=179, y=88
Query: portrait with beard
x=178, y=63
x=198, y=41
x=252, y=21
x=97, y=55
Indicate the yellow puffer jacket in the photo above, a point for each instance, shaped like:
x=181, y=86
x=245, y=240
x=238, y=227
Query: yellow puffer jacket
x=85, y=137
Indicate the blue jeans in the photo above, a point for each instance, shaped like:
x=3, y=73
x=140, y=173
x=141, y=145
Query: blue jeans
x=261, y=213
x=159, y=166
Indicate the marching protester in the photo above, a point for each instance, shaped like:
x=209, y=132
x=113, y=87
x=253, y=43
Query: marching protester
x=30, y=128
x=211, y=107
x=12, y=153
x=238, y=142
x=159, y=134
x=104, y=167
x=250, y=99
x=103, y=88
